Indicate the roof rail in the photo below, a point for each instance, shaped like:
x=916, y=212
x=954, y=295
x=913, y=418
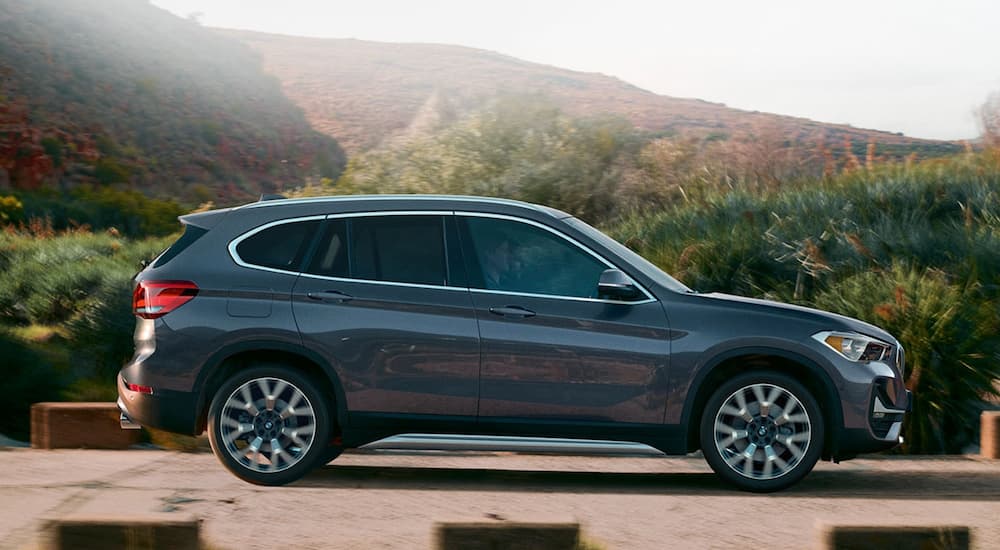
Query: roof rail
x=271, y=197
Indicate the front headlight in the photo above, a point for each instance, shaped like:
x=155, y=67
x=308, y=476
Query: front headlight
x=854, y=346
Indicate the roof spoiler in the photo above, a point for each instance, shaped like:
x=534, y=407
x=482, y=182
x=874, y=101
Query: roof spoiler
x=205, y=220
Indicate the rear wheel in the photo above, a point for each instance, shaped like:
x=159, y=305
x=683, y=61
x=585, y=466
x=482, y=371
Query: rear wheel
x=268, y=425
x=762, y=431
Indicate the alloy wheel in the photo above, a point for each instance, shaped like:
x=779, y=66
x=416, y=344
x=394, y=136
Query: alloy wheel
x=267, y=425
x=762, y=431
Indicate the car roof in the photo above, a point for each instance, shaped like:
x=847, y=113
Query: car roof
x=414, y=201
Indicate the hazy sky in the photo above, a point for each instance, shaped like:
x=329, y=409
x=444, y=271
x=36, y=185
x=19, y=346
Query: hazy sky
x=913, y=66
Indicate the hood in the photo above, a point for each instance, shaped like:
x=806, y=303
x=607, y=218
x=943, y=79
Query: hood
x=835, y=321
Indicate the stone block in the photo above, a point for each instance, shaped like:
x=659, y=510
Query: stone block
x=79, y=426
x=504, y=535
x=156, y=532
x=894, y=537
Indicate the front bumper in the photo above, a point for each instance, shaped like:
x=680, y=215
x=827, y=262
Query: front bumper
x=885, y=422
x=167, y=410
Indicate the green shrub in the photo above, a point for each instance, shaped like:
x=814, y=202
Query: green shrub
x=798, y=242
x=101, y=336
x=27, y=378
x=950, y=336
x=77, y=284
x=130, y=212
x=11, y=210
x=52, y=280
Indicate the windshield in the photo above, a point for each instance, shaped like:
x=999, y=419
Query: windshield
x=642, y=264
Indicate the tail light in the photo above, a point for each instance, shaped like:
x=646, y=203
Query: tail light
x=141, y=389
x=152, y=299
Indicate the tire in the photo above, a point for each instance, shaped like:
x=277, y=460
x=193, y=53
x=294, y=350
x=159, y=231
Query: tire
x=784, y=437
x=268, y=425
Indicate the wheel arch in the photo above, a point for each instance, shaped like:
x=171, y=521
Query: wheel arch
x=739, y=360
x=230, y=359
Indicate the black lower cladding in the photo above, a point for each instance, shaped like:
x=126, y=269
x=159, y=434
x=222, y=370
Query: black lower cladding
x=167, y=410
x=854, y=441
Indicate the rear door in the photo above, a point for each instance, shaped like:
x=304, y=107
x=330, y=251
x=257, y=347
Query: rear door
x=385, y=304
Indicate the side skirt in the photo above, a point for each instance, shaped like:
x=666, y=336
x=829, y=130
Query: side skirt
x=508, y=434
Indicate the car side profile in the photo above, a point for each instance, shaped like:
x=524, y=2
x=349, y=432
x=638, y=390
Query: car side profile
x=292, y=329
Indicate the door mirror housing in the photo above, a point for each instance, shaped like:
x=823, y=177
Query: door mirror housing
x=616, y=285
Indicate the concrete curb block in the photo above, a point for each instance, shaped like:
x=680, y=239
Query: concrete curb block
x=897, y=537
x=153, y=532
x=504, y=535
x=79, y=425
x=989, y=434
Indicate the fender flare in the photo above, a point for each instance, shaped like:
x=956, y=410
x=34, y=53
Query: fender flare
x=213, y=363
x=835, y=421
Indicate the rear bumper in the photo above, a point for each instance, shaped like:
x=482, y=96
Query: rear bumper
x=167, y=410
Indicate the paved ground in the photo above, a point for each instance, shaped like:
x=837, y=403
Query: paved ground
x=390, y=500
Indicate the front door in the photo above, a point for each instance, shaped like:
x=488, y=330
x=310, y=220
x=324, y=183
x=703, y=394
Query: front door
x=552, y=350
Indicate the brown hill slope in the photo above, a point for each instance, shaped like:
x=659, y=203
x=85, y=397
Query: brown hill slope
x=362, y=92
x=122, y=93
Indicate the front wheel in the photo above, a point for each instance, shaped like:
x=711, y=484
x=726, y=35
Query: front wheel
x=268, y=425
x=762, y=431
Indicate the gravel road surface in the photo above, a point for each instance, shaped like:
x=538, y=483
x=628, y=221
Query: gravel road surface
x=385, y=499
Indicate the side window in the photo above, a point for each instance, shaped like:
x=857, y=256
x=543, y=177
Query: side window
x=282, y=246
x=330, y=258
x=400, y=249
x=518, y=257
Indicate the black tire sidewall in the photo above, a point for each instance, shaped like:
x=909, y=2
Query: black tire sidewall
x=317, y=450
x=718, y=463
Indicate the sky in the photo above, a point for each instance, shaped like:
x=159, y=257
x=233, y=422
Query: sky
x=917, y=67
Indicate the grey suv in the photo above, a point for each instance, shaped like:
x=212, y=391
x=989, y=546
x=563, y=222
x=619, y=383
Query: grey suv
x=294, y=329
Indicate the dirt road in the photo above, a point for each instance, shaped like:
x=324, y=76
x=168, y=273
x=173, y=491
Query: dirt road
x=391, y=500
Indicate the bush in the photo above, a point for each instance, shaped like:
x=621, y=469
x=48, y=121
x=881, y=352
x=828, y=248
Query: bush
x=75, y=289
x=130, y=212
x=795, y=244
x=27, y=378
x=101, y=337
x=950, y=336
x=51, y=280
x=11, y=210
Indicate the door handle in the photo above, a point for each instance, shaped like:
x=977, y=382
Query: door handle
x=512, y=311
x=330, y=296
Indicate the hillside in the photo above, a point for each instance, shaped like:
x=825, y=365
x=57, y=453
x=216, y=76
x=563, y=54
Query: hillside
x=120, y=93
x=364, y=92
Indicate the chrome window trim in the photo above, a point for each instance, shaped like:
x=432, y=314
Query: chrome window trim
x=387, y=283
x=239, y=239
x=561, y=297
x=239, y=261
x=571, y=240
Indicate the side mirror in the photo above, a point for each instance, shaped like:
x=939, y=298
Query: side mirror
x=616, y=285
